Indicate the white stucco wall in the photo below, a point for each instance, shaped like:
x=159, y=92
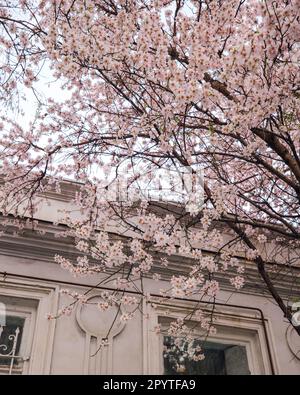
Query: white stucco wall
x=134, y=348
x=64, y=345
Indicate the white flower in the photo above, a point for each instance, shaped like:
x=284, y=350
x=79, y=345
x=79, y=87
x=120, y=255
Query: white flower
x=237, y=282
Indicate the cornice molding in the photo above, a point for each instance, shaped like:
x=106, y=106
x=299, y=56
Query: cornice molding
x=37, y=247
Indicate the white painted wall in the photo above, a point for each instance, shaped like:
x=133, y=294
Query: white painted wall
x=135, y=349
x=64, y=346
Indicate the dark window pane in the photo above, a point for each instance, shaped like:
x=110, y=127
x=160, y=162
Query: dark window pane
x=11, y=334
x=236, y=360
x=220, y=359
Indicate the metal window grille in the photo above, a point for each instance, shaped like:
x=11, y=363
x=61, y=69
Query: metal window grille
x=10, y=343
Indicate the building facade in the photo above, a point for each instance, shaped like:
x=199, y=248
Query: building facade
x=252, y=336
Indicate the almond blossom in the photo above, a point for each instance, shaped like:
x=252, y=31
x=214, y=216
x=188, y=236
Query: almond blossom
x=144, y=86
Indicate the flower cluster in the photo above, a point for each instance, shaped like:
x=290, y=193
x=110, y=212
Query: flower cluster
x=211, y=87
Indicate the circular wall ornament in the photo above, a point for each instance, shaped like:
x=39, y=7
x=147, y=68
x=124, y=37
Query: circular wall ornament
x=97, y=323
x=293, y=341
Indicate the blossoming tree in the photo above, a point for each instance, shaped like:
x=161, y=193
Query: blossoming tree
x=150, y=85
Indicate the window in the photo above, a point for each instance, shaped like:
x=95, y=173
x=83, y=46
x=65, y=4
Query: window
x=26, y=305
x=16, y=332
x=220, y=359
x=239, y=346
x=10, y=341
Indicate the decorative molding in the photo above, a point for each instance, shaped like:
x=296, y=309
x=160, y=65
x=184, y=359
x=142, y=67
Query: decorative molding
x=245, y=329
x=95, y=332
x=46, y=298
x=43, y=248
x=292, y=339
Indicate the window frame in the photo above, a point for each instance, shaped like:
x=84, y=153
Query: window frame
x=233, y=327
x=39, y=345
x=28, y=313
